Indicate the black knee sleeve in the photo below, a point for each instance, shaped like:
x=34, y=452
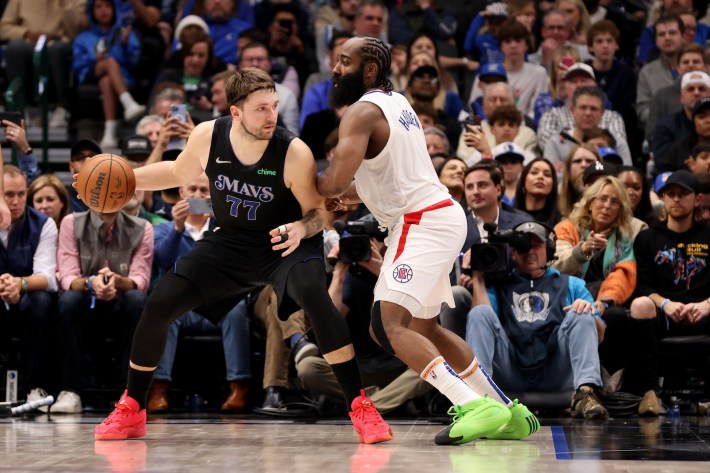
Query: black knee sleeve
x=306, y=285
x=378, y=329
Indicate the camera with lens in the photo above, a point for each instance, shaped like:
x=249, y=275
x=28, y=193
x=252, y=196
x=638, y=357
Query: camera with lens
x=355, y=239
x=492, y=257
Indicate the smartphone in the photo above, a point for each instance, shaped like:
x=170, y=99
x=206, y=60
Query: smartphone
x=14, y=117
x=568, y=61
x=200, y=206
x=474, y=121
x=179, y=111
x=287, y=25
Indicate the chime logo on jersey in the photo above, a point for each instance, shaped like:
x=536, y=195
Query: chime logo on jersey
x=402, y=273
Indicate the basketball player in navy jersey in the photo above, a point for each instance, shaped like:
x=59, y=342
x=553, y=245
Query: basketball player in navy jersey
x=381, y=159
x=269, y=216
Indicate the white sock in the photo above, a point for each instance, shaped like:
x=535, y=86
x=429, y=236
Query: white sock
x=477, y=379
x=126, y=100
x=110, y=127
x=439, y=374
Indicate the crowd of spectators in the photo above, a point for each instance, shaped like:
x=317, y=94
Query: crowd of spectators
x=583, y=126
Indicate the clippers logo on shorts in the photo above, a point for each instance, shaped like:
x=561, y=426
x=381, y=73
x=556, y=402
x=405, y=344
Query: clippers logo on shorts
x=402, y=273
x=531, y=307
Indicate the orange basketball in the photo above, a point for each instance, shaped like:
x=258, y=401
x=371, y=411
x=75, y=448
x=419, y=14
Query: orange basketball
x=106, y=183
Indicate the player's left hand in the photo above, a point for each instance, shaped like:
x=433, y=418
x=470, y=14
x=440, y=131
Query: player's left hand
x=287, y=237
x=580, y=306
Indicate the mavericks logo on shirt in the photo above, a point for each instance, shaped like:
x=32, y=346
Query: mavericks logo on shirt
x=531, y=307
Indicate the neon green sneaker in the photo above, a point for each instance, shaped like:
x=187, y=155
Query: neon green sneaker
x=523, y=423
x=473, y=420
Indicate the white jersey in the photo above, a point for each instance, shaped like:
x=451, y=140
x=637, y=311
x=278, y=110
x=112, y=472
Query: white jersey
x=401, y=179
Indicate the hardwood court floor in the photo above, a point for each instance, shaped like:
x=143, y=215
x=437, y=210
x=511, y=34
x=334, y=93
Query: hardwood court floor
x=212, y=443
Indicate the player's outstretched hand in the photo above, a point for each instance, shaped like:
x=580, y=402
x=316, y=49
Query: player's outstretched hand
x=287, y=237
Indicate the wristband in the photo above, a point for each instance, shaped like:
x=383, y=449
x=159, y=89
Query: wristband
x=663, y=304
x=90, y=287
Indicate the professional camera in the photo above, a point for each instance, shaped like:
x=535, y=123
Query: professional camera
x=492, y=257
x=355, y=239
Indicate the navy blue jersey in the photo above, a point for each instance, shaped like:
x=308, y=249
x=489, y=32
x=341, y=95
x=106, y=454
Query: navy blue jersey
x=248, y=201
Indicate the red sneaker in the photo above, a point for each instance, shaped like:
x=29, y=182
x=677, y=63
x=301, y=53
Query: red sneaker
x=126, y=421
x=368, y=423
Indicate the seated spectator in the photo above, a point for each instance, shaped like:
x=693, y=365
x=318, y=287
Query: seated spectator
x=104, y=262
x=22, y=24
x=424, y=87
x=496, y=96
x=488, y=74
x=699, y=160
x=48, y=195
x=526, y=80
x=556, y=96
x=107, y=54
x=615, y=78
x=665, y=103
x=596, y=243
x=423, y=42
x=165, y=96
x=27, y=280
x=678, y=154
x=511, y=159
x=437, y=18
x=671, y=292
x=536, y=193
x=587, y=109
x=538, y=330
x=571, y=185
x=386, y=378
x=436, y=141
x=257, y=55
x=226, y=20
x=219, y=94
x=196, y=67
x=555, y=33
x=150, y=126
x=287, y=48
x=172, y=240
x=78, y=154
x=481, y=42
x=145, y=18
x=483, y=190
x=661, y=72
x=674, y=136
x=560, y=118
x=451, y=175
x=639, y=192
x=577, y=19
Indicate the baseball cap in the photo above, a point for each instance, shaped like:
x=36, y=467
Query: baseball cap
x=424, y=70
x=497, y=10
x=492, y=69
x=701, y=105
x=695, y=77
x=660, y=180
x=610, y=155
x=684, y=179
x=598, y=169
x=533, y=228
x=136, y=147
x=78, y=149
x=581, y=68
x=508, y=149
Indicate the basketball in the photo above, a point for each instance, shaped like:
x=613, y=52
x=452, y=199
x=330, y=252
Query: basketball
x=106, y=183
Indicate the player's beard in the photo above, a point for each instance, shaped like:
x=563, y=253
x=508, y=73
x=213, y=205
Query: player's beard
x=347, y=89
x=258, y=133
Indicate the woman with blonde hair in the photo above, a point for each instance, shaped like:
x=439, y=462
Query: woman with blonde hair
x=48, y=195
x=595, y=243
x=578, y=17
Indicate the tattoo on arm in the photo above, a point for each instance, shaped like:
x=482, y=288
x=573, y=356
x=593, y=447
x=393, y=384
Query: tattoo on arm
x=313, y=221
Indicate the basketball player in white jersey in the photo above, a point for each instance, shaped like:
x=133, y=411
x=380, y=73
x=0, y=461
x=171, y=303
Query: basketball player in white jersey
x=382, y=147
